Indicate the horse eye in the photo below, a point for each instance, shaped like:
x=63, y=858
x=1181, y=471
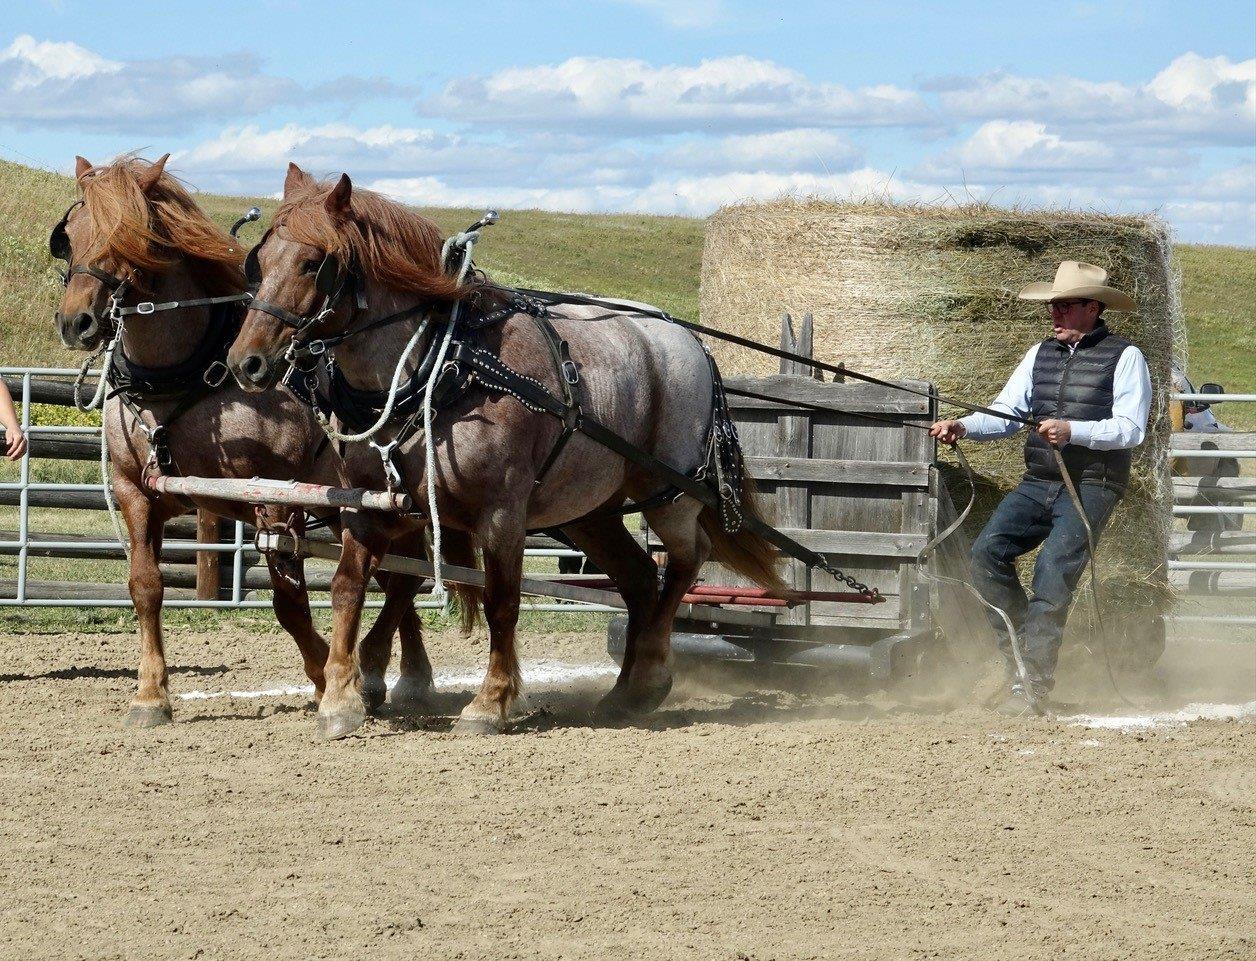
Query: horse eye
x=311, y=266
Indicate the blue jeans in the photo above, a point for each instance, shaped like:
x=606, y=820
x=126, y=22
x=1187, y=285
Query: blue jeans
x=1037, y=512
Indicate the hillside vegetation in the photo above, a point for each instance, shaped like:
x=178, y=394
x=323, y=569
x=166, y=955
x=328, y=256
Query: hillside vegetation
x=654, y=259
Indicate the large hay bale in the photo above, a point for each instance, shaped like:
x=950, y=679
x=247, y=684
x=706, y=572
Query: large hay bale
x=930, y=292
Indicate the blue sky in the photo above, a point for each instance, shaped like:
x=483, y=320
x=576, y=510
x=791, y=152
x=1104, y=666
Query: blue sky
x=657, y=106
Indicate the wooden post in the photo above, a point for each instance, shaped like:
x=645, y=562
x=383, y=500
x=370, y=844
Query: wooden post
x=208, y=570
x=794, y=440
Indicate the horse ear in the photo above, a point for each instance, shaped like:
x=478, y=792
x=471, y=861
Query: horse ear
x=82, y=167
x=148, y=179
x=296, y=179
x=337, y=202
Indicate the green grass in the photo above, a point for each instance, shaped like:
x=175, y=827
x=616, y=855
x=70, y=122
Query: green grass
x=654, y=259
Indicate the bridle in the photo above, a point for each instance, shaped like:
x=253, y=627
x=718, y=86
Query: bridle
x=331, y=280
x=59, y=247
x=335, y=283
x=113, y=322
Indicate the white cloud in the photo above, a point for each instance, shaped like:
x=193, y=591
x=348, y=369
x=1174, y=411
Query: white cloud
x=687, y=14
x=688, y=195
x=1025, y=150
x=801, y=149
x=632, y=95
x=63, y=84
x=1207, y=99
x=32, y=61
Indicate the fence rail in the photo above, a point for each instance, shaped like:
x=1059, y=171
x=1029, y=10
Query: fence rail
x=234, y=570
x=1211, y=500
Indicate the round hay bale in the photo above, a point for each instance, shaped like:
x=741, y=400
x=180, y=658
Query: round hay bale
x=930, y=292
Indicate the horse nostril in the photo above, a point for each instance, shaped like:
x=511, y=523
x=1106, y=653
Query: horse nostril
x=254, y=367
x=85, y=325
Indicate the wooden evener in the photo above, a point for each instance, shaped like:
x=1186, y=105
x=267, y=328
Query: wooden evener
x=289, y=493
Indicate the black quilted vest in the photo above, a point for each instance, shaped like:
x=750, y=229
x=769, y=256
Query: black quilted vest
x=1076, y=385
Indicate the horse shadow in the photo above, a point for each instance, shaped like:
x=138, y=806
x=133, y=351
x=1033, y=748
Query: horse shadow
x=75, y=673
x=576, y=708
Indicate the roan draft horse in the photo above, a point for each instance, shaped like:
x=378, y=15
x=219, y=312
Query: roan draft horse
x=137, y=237
x=352, y=274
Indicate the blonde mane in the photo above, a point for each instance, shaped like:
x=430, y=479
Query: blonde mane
x=388, y=242
x=149, y=232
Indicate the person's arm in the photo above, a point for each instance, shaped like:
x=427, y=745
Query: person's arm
x=15, y=438
x=1013, y=399
x=1131, y=402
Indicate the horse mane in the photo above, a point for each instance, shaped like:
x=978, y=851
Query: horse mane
x=150, y=232
x=387, y=241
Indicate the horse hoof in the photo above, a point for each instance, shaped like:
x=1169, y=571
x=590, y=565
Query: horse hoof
x=374, y=694
x=332, y=727
x=627, y=702
x=477, y=725
x=410, y=693
x=143, y=716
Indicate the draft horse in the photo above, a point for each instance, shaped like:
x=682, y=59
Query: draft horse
x=141, y=253
x=346, y=280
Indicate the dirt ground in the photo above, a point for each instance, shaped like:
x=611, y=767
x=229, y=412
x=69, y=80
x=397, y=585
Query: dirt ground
x=735, y=824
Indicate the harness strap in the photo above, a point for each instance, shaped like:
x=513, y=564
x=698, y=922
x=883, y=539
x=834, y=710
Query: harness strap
x=569, y=380
x=494, y=373
x=148, y=307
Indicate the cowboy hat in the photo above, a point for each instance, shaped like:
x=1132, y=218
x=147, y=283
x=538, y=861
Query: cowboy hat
x=1076, y=279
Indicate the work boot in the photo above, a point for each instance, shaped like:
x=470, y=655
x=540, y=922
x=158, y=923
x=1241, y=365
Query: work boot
x=1019, y=704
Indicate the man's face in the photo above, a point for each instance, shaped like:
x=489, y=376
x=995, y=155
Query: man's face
x=1071, y=320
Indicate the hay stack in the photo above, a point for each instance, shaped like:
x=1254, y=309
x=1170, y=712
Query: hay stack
x=930, y=292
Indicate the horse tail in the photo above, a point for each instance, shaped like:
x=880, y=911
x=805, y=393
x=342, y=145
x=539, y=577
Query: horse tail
x=458, y=547
x=745, y=552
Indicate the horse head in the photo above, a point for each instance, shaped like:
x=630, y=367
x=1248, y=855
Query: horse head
x=328, y=247
x=97, y=274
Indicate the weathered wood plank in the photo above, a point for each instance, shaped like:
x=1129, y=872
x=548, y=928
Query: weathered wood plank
x=794, y=441
x=865, y=398
x=1231, y=440
x=829, y=471
x=871, y=543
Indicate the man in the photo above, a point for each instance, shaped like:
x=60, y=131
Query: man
x=1089, y=390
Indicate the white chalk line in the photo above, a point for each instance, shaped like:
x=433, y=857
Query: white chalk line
x=1179, y=718
x=534, y=673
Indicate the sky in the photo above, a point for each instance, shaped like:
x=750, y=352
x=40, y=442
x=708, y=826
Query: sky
x=656, y=106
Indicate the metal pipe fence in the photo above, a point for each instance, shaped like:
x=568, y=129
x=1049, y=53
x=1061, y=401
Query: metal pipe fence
x=51, y=385
x=1214, y=508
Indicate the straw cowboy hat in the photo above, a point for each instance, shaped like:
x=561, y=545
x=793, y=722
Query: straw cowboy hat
x=1076, y=279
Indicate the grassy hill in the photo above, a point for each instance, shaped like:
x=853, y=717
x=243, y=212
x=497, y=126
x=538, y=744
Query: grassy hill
x=648, y=258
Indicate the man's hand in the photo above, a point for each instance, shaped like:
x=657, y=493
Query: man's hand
x=16, y=444
x=948, y=431
x=1055, y=432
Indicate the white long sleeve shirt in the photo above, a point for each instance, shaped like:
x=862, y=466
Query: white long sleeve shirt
x=1131, y=401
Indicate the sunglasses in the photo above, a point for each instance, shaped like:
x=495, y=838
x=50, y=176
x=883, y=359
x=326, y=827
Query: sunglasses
x=1063, y=306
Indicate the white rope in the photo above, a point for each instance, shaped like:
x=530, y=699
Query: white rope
x=393, y=388
x=108, y=488
x=97, y=402
x=467, y=241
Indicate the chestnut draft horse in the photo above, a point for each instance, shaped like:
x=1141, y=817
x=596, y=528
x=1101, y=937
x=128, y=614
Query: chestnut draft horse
x=375, y=267
x=137, y=236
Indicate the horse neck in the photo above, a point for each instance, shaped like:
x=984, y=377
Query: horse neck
x=169, y=337
x=367, y=360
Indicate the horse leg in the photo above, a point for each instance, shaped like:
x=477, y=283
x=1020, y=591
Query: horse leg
x=375, y=649
x=144, y=522
x=342, y=711
x=414, y=686
x=607, y=543
x=649, y=678
x=291, y=601
x=503, y=543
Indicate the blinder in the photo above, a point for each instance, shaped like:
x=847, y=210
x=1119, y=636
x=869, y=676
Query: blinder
x=59, y=239
x=253, y=264
x=327, y=280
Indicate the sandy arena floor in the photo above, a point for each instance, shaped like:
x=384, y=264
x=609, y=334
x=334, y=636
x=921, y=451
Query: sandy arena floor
x=744, y=825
